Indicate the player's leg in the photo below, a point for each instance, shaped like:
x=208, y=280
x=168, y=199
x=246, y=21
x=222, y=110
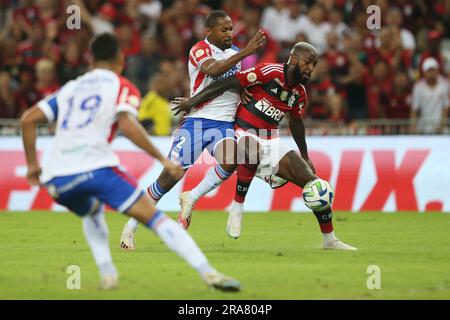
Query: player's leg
x=156, y=191
x=70, y=191
x=186, y=148
x=294, y=169
x=120, y=192
x=218, y=139
x=250, y=152
x=97, y=236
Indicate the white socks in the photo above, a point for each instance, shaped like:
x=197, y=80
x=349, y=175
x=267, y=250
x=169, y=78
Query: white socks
x=132, y=225
x=328, y=237
x=236, y=206
x=214, y=177
x=96, y=233
x=178, y=240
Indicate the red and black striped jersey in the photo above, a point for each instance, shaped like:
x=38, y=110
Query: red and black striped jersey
x=272, y=97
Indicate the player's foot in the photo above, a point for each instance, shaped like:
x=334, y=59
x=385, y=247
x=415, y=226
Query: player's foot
x=221, y=282
x=109, y=282
x=186, y=203
x=234, y=223
x=336, y=244
x=127, y=240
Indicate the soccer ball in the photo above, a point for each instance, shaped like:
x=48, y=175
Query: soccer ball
x=318, y=195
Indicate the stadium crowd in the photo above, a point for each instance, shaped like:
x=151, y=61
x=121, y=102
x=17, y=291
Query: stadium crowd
x=361, y=73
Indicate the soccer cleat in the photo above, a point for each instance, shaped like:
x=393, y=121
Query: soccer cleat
x=234, y=224
x=186, y=203
x=219, y=281
x=109, y=282
x=127, y=240
x=336, y=244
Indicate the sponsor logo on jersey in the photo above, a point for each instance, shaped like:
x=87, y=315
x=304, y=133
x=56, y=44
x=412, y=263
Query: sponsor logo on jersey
x=283, y=95
x=235, y=69
x=269, y=110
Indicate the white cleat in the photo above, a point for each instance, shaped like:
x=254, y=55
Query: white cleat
x=219, y=281
x=336, y=244
x=127, y=240
x=186, y=203
x=109, y=282
x=234, y=224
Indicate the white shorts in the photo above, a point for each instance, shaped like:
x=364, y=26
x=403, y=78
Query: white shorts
x=273, y=150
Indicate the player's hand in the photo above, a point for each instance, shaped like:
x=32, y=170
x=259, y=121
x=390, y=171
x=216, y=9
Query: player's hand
x=33, y=174
x=310, y=164
x=246, y=96
x=173, y=169
x=255, y=43
x=181, y=105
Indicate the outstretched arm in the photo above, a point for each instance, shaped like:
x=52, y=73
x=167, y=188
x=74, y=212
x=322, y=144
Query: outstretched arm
x=183, y=105
x=214, y=67
x=297, y=127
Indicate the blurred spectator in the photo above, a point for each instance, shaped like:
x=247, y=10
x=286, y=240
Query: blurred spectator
x=7, y=105
x=10, y=59
x=320, y=89
x=151, y=10
x=378, y=82
x=337, y=24
x=335, y=108
x=144, y=65
x=72, y=64
x=26, y=94
x=315, y=27
x=103, y=22
x=154, y=113
x=279, y=20
x=353, y=81
x=31, y=48
x=48, y=15
x=129, y=40
x=394, y=19
x=46, y=82
x=396, y=104
x=433, y=50
x=337, y=60
x=247, y=30
x=430, y=103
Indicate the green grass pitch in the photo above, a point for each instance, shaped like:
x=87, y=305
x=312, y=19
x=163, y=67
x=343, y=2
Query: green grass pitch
x=278, y=256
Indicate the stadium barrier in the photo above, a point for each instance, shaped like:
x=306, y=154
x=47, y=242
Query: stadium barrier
x=386, y=173
x=11, y=127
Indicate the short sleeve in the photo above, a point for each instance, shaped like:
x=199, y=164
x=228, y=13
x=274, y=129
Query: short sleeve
x=297, y=111
x=200, y=53
x=49, y=106
x=129, y=97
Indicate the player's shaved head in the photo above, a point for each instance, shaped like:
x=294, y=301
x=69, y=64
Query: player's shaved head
x=213, y=18
x=302, y=48
x=105, y=47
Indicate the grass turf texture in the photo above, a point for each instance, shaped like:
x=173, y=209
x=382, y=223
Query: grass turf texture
x=279, y=256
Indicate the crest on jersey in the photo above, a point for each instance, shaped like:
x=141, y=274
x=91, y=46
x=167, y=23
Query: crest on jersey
x=199, y=53
x=283, y=95
x=251, y=77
